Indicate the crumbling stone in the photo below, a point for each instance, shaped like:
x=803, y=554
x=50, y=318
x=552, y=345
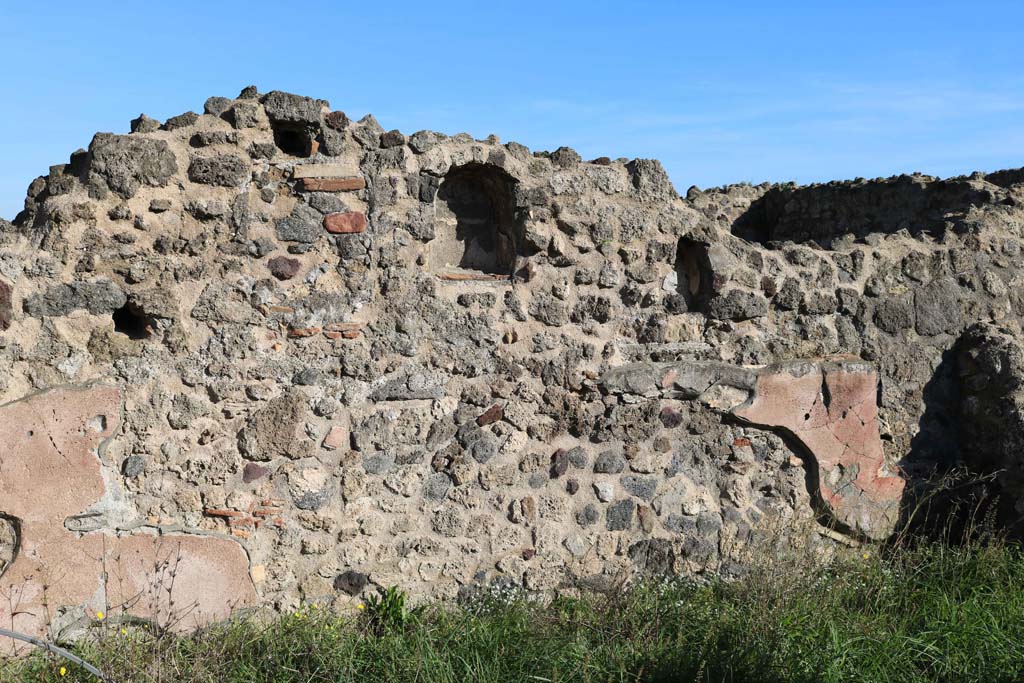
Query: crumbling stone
x=270, y=431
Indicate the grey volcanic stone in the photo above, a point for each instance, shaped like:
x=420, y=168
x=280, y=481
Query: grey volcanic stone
x=578, y=457
x=609, y=462
x=127, y=162
x=378, y=463
x=351, y=582
x=737, y=305
x=641, y=487
x=225, y=170
x=437, y=486
x=620, y=515
x=937, y=308
x=133, y=466
x=284, y=107
x=312, y=500
x=895, y=314
x=144, y=124
x=650, y=179
x=100, y=296
x=181, y=121
x=302, y=225
x=588, y=516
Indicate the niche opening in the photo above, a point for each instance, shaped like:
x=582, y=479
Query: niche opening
x=478, y=224
x=297, y=141
x=693, y=273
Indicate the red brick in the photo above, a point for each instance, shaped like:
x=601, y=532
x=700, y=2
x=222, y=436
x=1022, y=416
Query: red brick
x=333, y=184
x=217, y=512
x=343, y=330
x=346, y=223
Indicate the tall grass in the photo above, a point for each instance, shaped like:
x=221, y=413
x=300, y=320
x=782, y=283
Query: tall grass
x=929, y=613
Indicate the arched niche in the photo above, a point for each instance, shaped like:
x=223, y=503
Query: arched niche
x=477, y=223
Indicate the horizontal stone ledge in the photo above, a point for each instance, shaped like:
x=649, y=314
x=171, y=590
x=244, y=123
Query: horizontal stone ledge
x=473, y=277
x=322, y=171
x=333, y=184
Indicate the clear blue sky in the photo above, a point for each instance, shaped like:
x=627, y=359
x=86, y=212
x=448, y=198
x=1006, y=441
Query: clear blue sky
x=720, y=92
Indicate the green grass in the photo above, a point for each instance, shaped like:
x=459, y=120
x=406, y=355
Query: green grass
x=934, y=613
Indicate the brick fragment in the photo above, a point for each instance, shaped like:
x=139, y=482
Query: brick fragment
x=333, y=184
x=221, y=512
x=300, y=332
x=343, y=330
x=346, y=223
x=336, y=438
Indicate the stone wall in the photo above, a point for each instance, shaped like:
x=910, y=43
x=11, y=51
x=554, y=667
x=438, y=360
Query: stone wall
x=336, y=357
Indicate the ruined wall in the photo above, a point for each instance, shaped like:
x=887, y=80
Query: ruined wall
x=361, y=358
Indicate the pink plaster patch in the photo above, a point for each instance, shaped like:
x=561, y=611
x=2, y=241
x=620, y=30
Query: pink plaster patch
x=50, y=471
x=830, y=408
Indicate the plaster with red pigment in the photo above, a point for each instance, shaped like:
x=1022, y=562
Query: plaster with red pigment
x=831, y=409
x=51, y=443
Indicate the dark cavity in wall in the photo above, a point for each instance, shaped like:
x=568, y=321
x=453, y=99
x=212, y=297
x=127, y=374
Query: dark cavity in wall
x=295, y=140
x=693, y=273
x=479, y=202
x=132, y=322
x=824, y=213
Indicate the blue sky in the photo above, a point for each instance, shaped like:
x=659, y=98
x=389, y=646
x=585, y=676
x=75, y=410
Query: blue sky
x=720, y=92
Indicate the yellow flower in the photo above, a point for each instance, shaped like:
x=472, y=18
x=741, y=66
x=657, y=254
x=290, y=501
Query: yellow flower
x=63, y=671
x=124, y=632
x=100, y=616
x=867, y=555
x=360, y=606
